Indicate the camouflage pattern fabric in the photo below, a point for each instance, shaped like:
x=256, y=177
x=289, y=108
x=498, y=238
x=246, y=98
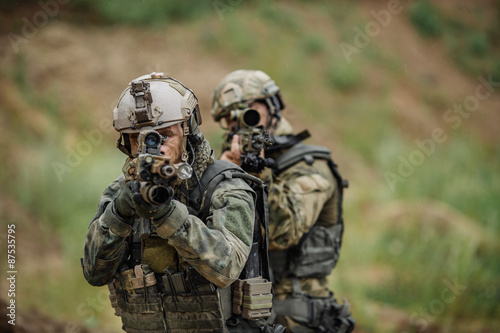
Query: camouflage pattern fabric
x=217, y=248
x=298, y=198
x=203, y=158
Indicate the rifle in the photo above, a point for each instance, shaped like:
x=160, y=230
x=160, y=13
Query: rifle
x=153, y=172
x=253, y=139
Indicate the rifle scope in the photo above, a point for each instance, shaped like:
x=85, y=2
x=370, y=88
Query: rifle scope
x=245, y=118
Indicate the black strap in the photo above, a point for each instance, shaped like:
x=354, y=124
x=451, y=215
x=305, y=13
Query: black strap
x=213, y=175
x=298, y=153
x=341, y=184
x=287, y=141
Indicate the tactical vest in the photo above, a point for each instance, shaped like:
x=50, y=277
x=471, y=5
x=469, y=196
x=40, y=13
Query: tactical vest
x=185, y=301
x=317, y=252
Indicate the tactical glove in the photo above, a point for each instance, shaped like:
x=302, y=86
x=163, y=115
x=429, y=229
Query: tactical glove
x=153, y=211
x=123, y=204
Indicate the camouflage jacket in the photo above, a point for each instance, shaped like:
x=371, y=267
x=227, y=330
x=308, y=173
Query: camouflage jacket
x=217, y=248
x=298, y=198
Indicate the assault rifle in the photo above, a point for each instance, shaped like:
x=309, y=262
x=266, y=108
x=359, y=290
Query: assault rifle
x=253, y=139
x=153, y=170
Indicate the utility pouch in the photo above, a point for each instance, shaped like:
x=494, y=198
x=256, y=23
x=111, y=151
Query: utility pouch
x=138, y=300
x=146, y=298
x=318, y=252
x=141, y=279
x=191, y=303
x=252, y=298
x=114, y=298
x=125, y=281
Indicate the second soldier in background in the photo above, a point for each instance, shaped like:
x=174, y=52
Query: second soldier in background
x=305, y=201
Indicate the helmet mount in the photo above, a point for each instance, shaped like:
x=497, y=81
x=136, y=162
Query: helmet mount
x=143, y=99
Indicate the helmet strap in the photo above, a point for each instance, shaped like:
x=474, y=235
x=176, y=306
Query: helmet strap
x=125, y=146
x=273, y=114
x=185, y=154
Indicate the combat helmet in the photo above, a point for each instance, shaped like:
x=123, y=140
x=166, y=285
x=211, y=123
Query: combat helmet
x=241, y=87
x=155, y=101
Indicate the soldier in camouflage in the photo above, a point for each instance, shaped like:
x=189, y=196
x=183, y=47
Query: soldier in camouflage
x=305, y=200
x=168, y=268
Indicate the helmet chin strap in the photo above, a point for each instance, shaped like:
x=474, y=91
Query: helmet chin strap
x=124, y=148
x=273, y=115
x=185, y=154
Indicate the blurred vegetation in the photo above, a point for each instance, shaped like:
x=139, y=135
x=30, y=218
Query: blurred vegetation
x=474, y=46
x=401, y=246
x=152, y=12
x=128, y=12
x=427, y=19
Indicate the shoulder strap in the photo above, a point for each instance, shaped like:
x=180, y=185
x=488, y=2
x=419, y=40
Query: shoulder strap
x=309, y=153
x=298, y=153
x=213, y=175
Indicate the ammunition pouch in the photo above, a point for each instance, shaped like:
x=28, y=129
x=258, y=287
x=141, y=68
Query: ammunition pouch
x=315, y=256
x=323, y=314
x=178, y=302
x=252, y=298
x=185, y=302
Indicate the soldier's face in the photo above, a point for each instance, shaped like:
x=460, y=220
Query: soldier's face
x=172, y=147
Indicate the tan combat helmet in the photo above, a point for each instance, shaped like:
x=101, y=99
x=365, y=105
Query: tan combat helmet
x=241, y=87
x=155, y=101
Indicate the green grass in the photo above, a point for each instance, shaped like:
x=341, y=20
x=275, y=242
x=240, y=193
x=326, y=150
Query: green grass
x=473, y=44
x=65, y=208
x=426, y=18
x=150, y=13
x=435, y=230
x=451, y=175
x=55, y=208
x=344, y=76
x=438, y=224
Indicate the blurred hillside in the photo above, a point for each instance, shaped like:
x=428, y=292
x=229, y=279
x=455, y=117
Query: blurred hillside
x=405, y=94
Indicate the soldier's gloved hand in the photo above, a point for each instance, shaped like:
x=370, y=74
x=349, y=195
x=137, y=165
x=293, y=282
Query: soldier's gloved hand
x=233, y=155
x=157, y=210
x=123, y=204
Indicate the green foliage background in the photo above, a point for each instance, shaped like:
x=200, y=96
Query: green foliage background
x=403, y=242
